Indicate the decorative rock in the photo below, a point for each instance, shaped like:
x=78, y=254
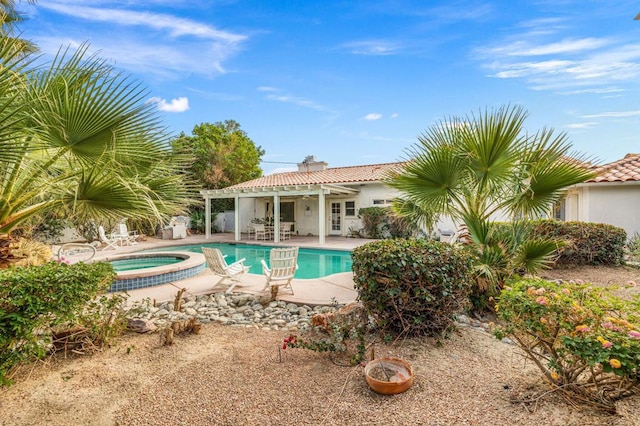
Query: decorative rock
x=240, y=310
x=140, y=325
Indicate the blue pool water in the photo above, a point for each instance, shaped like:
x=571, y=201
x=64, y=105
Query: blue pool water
x=120, y=265
x=312, y=263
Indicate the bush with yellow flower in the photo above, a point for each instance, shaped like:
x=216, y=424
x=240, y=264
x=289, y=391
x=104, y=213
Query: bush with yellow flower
x=584, y=339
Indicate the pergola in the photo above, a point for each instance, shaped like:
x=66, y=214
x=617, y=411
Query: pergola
x=275, y=192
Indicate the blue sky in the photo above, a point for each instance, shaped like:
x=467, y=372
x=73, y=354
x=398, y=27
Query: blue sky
x=355, y=82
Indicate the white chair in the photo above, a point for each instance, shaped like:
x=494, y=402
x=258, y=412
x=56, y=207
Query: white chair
x=283, y=263
x=285, y=230
x=219, y=266
x=261, y=232
x=111, y=242
x=129, y=238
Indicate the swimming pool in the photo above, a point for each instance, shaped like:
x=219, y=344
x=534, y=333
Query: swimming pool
x=312, y=263
x=139, y=270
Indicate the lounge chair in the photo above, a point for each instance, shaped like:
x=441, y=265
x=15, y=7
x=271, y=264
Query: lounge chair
x=111, y=242
x=283, y=263
x=219, y=266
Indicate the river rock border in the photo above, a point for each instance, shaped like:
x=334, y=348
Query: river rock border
x=243, y=310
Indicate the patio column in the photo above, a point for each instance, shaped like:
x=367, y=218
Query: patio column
x=236, y=205
x=276, y=218
x=207, y=217
x=321, y=218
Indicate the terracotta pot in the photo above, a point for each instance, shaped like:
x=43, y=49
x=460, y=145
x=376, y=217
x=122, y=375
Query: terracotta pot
x=399, y=372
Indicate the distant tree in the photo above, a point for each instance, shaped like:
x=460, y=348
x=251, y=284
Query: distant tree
x=222, y=153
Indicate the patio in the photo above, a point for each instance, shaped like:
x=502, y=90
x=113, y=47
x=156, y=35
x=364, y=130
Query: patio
x=337, y=288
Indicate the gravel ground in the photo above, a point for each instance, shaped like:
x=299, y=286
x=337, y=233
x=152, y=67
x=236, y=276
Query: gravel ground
x=237, y=376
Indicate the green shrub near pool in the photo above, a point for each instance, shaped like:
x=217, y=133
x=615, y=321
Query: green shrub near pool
x=33, y=299
x=412, y=286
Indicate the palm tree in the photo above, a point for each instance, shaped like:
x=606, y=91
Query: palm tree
x=476, y=168
x=79, y=137
x=9, y=19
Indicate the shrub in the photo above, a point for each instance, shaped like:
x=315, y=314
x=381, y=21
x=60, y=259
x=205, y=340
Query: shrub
x=373, y=221
x=588, y=243
x=34, y=299
x=412, y=286
x=584, y=340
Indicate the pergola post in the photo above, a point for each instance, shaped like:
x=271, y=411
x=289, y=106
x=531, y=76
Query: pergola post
x=321, y=217
x=236, y=205
x=207, y=217
x=276, y=218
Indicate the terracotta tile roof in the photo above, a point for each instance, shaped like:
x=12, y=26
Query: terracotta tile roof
x=624, y=170
x=333, y=175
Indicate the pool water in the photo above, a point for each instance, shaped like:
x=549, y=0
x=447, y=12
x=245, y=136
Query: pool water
x=312, y=263
x=120, y=265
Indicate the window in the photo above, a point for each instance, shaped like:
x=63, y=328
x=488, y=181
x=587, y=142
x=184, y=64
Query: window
x=382, y=202
x=349, y=208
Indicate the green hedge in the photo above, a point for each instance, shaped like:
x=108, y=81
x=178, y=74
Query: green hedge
x=34, y=299
x=412, y=286
x=588, y=243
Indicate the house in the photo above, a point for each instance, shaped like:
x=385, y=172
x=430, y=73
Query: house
x=325, y=201
x=319, y=200
x=612, y=197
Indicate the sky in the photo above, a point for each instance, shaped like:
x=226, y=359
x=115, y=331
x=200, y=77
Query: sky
x=357, y=82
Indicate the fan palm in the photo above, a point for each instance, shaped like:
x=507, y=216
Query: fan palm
x=484, y=166
x=82, y=139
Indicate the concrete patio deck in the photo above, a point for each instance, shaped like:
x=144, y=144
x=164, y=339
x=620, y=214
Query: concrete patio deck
x=336, y=288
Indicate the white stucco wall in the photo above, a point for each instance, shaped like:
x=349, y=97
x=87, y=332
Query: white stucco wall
x=616, y=204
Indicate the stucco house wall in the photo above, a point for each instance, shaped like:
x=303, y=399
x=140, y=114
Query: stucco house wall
x=616, y=204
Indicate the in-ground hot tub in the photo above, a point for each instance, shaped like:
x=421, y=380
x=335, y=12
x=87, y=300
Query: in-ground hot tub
x=139, y=270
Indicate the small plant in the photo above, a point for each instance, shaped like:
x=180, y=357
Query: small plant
x=344, y=331
x=585, y=341
x=373, y=221
x=337, y=340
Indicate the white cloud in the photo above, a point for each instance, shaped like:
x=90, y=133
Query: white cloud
x=614, y=114
x=372, y=47
x=164, y=45
x=395, y=115
x=586, y=125
x=604, y=90
x=180, y=104
x=524, y=48
x=267, y=89
x=372, y=116
x=174, y=25
x=547, y=58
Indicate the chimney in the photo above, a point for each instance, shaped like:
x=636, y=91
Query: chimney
x=310, y=164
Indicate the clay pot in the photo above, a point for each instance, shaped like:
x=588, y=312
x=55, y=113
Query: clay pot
x=388, y=375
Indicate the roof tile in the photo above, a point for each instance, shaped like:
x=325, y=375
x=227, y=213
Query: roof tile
x=624, y=170
x=334, y=175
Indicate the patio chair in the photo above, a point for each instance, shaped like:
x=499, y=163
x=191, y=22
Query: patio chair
x=129, y=238
x=111, y=242
x=285, y=230
x=283, y=263
x=219, y=266
x=261, y=232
